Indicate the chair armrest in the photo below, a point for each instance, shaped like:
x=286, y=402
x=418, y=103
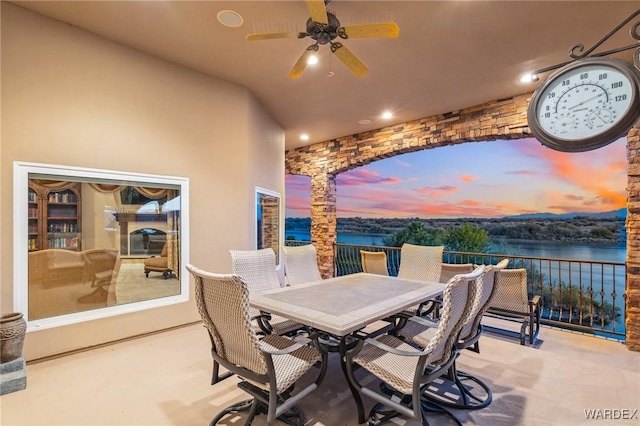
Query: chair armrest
x=424, y=321
x=302, y=342
x=433, y=305
x=535, y=301
x=394, y=350
x=263, y=322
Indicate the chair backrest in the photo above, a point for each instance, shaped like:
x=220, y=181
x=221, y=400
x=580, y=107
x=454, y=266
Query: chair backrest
x=457, y=301
x=374, y=262
x=511, y=294
x=223, y=303
x=422, y=263
x=256, y=267
x=449, y=270
x=485, y=292
x=301, y=264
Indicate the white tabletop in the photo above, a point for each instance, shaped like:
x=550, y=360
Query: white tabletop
x=344, y=304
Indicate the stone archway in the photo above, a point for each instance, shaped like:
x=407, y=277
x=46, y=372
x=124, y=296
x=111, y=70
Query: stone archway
x=502, y=119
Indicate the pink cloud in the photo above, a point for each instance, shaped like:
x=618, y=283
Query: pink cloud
x=363, y=176
x=521, y=172
x=586, y=171
x=467, y=178
x=437, y=191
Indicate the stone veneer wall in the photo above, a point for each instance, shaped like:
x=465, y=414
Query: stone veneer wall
x=502, y=119
x=632, y=296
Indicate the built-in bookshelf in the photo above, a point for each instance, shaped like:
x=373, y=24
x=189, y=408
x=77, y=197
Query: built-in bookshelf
x=55, y=218
x=34, y=220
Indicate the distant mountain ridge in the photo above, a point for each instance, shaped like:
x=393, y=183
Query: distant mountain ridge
x=613, y=214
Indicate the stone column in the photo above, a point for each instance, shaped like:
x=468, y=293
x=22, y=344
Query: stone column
x=632, y=296
x=323, y=220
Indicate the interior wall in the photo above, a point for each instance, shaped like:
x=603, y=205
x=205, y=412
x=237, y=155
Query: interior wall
x=96, y=231
x=73, y=98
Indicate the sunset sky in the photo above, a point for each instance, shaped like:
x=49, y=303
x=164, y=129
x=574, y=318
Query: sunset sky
x=481, y=179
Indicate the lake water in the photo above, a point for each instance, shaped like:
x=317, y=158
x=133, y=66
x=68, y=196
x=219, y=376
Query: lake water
x=605, y=280
x=575, y=251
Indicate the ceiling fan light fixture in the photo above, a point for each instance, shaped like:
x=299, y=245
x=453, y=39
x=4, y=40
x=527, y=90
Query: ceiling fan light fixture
x=313, y=59
x=230, y=18
x=528, y=78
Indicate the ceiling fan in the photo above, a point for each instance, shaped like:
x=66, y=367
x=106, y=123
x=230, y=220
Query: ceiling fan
x=324, y=28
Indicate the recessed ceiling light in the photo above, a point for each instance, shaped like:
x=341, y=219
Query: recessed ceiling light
x=387, y=115
x=304, y=137
x=313, y=59
x=365, y=121
x=230, y=18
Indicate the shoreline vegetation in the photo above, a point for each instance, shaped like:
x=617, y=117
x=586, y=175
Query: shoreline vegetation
x=583, y=229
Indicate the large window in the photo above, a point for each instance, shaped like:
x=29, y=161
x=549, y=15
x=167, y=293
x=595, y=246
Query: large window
x=94, y=243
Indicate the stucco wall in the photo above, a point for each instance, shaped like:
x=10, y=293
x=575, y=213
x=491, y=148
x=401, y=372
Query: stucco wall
x=73, y=98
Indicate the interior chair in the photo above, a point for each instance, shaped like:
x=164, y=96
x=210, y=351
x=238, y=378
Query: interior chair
x=103, y=266
x=512, y=301
x=159, y=264
x=268, y=368
x=422, y=263
x=374, y=262
x=406, y=370
x=301, y=264
x=470, y=391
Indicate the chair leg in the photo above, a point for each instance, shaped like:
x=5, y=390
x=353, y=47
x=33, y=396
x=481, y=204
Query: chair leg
x=216, y=377
x=235, y=408
x=469, y=397
x=531, y=326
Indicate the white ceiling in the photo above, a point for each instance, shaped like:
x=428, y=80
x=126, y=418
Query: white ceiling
x=449, y=54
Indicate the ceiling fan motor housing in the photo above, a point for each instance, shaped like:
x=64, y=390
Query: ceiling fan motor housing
x=321, y=33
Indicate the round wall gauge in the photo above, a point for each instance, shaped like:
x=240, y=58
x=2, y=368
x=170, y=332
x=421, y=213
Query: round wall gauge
x=585, y=105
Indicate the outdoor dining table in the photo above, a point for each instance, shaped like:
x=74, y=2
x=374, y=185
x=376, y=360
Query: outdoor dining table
x=343, y=305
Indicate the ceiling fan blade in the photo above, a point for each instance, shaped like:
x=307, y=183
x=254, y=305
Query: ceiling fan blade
x=381, y=30
x=271, y=36
x=301, y=65
x=349, y=59
x=318, y=11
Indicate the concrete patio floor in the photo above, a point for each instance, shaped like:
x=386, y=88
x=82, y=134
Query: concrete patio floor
x=163, y=379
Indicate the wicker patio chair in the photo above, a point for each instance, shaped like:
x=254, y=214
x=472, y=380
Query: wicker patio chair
x=422, y=263
x=258, y=269
x=300, y=264
x=405, y=370
x=268, y=368
x=374, y=262
x=449, y=270
x=471, y=392
x=512, y=301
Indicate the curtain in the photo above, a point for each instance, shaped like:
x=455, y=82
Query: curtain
x=155, y=193
x=53, y=185
x=106, y=187
x=173, y=242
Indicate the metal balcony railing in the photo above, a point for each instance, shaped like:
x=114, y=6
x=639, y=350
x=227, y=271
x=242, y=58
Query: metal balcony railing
x=578, y=295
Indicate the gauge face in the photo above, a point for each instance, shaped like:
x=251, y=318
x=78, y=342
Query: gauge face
x=593, y=101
